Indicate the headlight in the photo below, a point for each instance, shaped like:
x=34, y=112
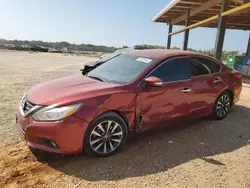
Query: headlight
x=51, y=113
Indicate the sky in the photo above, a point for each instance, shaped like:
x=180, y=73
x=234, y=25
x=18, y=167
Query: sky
x=102, y=22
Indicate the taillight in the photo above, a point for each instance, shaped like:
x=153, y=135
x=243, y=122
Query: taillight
x=237, y=75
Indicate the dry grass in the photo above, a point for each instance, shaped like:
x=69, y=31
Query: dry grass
x=203, y=154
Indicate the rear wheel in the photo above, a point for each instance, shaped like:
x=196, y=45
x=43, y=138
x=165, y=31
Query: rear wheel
x=222, y=105
x=106, y=135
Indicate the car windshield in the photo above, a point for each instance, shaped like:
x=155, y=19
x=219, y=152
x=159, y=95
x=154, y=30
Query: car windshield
x=121, y=69
x=116, y=53
x=109, y=56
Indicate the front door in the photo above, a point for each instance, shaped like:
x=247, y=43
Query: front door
x=164, y=105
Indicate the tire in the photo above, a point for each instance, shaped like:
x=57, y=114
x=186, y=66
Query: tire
x=222, y=105
x=34, y=151
x=106, y=135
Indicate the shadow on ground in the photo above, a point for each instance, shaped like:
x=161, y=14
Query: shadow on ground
x=151, y=152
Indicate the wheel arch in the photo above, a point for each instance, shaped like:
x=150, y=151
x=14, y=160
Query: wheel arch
x=230, y=93
x=122, y=115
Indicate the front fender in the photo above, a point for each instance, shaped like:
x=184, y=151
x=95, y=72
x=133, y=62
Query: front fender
x=121, y=102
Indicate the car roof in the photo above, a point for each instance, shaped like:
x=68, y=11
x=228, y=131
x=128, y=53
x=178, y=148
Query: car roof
x=162, y=53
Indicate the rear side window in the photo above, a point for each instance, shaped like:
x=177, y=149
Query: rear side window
x=211, y=65
x=197, y=68
x=173, y=70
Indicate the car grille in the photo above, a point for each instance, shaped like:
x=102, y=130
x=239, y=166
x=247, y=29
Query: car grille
x=26, y=107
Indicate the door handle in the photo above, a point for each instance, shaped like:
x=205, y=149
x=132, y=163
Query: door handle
x=216, y=80
x=186, y=90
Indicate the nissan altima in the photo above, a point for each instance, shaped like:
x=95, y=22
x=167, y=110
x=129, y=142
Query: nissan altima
x=136, y=91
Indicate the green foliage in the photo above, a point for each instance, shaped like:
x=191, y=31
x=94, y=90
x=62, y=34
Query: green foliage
x=207, y=52
x=61, y=45
x=102, y=48
x=175, y=48
x=147, y=46
x=225, y=53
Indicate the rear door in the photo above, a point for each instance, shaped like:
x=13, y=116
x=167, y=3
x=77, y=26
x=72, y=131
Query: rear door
x=206, y=84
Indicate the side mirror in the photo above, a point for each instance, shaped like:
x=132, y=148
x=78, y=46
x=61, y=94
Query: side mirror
x=153, y=81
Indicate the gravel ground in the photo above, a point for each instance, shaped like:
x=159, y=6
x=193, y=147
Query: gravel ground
x=204, y=153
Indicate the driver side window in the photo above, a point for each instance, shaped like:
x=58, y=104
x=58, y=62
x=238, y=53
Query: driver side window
x=172, y=71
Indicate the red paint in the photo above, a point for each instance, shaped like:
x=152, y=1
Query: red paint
x=162, y=104
x=67, y=134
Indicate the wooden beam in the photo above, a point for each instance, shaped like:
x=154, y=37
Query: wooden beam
x=177, y=10
x=168, y=15
x=201, y=8
x=239, y=28
x=244, y=28
x=212, y=19
x=201, y=23
x=206, y=13
x=231, y=20
x=214, y=9
x=239, y=24
x=184, y=7
x=190, y=3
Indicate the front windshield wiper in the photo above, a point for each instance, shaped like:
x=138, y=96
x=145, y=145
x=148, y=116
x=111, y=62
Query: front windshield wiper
x=96, y=78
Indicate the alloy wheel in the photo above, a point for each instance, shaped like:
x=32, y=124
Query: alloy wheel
x=223, y=105
x=106, y=137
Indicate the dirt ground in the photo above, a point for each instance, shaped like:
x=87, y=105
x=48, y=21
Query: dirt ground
x=204, y=153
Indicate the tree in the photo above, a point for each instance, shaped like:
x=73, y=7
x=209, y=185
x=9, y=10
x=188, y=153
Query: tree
x=225, y=54
x=175, y=48
x=148, y=46
x=61, y=45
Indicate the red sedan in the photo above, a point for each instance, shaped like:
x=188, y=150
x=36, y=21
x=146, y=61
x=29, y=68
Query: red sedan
x=135, y=91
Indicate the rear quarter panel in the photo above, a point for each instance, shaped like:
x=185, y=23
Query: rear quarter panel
x=234, y=84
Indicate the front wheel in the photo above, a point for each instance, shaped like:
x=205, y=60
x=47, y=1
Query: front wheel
x=222, y=105
x=106, y=135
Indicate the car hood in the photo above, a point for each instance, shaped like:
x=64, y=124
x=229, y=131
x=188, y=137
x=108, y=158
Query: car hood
x=68, y=89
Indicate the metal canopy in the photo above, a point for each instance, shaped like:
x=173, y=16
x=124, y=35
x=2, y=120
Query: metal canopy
x=199, y=10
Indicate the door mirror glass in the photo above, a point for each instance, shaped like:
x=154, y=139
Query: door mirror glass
x=153, y=81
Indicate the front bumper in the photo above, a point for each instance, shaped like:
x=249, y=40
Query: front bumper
x=67, y=134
